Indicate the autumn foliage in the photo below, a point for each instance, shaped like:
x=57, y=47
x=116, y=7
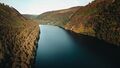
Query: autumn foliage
x=18, y=37
x=101, y=18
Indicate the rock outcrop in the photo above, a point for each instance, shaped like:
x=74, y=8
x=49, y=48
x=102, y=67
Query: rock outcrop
x=18, y=39
x=101, y=19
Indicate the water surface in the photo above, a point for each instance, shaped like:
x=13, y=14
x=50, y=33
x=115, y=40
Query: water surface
x=59, y=49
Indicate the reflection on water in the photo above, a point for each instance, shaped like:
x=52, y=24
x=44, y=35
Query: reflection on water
x=58, y=49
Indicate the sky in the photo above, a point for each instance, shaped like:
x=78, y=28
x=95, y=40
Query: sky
x=41, y=6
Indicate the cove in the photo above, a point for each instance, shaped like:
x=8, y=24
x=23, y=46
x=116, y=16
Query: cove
x=57, y=48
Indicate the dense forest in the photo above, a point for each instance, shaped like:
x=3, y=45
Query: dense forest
x=101, y=18
x=18, y=37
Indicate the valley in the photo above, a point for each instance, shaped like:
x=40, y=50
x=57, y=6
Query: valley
x=77, y=37
x=98, y=19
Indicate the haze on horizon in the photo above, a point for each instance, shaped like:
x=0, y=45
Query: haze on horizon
x=41, y=6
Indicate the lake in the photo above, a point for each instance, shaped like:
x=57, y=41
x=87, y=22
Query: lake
x=57, y=48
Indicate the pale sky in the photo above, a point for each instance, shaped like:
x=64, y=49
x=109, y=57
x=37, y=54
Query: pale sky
x=41, y=6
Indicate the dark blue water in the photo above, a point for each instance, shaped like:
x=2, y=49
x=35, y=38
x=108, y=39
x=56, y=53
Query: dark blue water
x=59, y=49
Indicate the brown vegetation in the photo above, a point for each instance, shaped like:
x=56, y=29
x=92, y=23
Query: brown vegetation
x=101, y=18
x=59, y=17
x=18, y=37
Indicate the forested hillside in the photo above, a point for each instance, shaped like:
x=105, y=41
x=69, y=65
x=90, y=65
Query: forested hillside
x=18, y=37
x=101, y=19
x=59, y=17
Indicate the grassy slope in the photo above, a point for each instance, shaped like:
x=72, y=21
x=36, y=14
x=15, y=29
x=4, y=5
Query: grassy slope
x=17, y=39
x=101, y=18
x=60, y=17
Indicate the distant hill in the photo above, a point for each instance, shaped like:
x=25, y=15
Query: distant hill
x=18, y=37
x=59, y=17
x=30, y=16
x=101, y=18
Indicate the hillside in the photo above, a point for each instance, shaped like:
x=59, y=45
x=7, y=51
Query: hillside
x=30, y=16
x=59, y=17
x=18, y=37
x=101, y=19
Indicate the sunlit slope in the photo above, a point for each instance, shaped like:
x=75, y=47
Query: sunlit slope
x=59, y=17
x=101, y=18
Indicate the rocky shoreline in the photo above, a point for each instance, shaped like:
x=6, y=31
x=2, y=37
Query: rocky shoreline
x=36, y=43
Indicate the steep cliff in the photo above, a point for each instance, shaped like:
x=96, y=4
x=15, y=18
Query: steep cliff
x=59, y=17
x=101, y=19
x=18, y=37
